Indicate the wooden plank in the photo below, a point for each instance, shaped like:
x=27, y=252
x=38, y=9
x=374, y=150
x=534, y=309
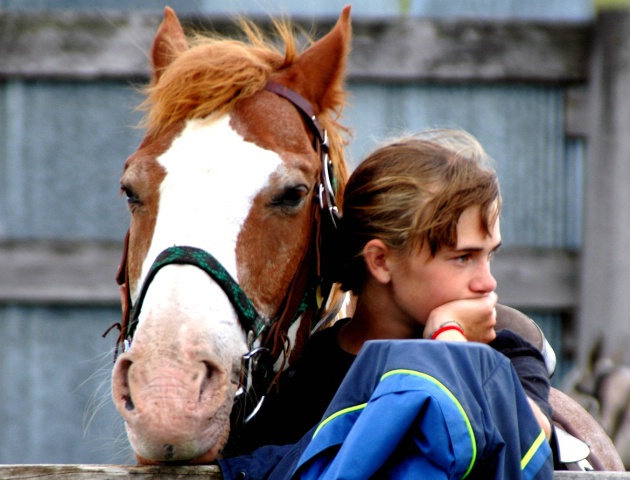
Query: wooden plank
x=75, y=45
x=83, y=273
x=107, y=472
x=544, y=279
x=561, y=475
x=89, y=45
x=605, y=268
x=47, y=272
x=576, y=112
x=590, y=475
x=413, y=49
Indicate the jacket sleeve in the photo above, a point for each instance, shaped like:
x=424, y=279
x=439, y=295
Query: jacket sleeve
x=261, y=463
x=529, y=366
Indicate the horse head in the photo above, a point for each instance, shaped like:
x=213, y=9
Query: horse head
x=229, y=193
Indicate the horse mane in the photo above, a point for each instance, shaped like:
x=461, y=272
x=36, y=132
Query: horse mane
x=214, y=73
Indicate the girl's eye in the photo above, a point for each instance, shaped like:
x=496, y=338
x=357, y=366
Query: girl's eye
x=463, y=258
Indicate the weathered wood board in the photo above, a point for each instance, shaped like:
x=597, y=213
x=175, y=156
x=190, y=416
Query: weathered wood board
x=90, y=45
x=107, y=472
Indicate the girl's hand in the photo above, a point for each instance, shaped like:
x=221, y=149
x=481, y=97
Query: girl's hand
x=477, y=317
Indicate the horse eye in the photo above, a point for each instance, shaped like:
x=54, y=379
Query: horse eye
x=132, y=197
x=291, y=197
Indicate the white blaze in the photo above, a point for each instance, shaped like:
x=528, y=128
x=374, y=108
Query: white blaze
x=212, y=177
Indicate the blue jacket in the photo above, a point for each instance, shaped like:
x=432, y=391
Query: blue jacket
x=416, y=409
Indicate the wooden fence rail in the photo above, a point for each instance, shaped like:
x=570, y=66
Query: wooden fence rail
x=112, y=472
x=109, y=472
x=97, y=45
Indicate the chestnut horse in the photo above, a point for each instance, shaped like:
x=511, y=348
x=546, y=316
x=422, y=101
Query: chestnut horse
x=231, y=192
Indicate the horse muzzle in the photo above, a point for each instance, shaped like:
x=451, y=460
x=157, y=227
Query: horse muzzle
x=173, y=412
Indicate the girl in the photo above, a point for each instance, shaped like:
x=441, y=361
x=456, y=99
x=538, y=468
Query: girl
x=419, y=228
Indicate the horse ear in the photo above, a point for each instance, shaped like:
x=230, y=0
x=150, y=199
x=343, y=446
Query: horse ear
x=318, y=73
x=169, y=41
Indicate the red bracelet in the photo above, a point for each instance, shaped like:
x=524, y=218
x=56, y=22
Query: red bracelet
x=443, y=329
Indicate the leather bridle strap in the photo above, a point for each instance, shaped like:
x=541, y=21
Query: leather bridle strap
x=326, y=191
x=122, y=279
x=304, y=107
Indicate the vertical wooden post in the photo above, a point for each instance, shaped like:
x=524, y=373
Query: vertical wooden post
x=605, y=270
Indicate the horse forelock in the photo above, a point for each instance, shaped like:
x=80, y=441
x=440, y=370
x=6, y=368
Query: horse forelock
x=214, y=73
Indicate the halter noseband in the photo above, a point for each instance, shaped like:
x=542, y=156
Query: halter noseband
x=256, y=368
x=250, y=319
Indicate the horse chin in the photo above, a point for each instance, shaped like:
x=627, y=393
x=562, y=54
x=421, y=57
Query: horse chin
x=205, y=459
x=182, y=453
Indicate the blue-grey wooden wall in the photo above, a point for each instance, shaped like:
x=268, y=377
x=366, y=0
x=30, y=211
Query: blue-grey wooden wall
x=63, y=144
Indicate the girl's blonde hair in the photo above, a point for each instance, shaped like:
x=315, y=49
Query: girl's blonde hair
x=410, y=193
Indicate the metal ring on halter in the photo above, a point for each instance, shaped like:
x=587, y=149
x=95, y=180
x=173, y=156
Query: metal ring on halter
x=249, y=364
x=255, y=410
x=324, y=141
x=333, y=212
x=326, y=190
x=320, y=195
x=327, y=182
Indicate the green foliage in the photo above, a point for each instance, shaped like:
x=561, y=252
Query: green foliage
x=610, y=4
x=404, y=6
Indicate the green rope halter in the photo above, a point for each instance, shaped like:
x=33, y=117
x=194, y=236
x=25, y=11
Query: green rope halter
x=250, y=319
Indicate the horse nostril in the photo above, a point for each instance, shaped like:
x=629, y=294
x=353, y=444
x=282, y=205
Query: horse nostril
x=129, y=406
x=121, y=384
x=209, y=377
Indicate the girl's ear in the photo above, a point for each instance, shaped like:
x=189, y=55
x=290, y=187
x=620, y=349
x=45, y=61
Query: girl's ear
x=376, y=255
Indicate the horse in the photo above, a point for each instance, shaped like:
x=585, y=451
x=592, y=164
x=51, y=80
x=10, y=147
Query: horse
x=232, y=193
x=233, y=196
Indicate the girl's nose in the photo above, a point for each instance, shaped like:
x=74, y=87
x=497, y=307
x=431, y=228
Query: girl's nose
x=484, y=282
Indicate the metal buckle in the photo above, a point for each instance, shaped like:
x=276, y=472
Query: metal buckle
x=258, y=406
x=249, y=365
x=326, y=190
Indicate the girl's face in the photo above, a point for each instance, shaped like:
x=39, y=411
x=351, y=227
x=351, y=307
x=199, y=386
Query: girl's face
x=420, y=282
